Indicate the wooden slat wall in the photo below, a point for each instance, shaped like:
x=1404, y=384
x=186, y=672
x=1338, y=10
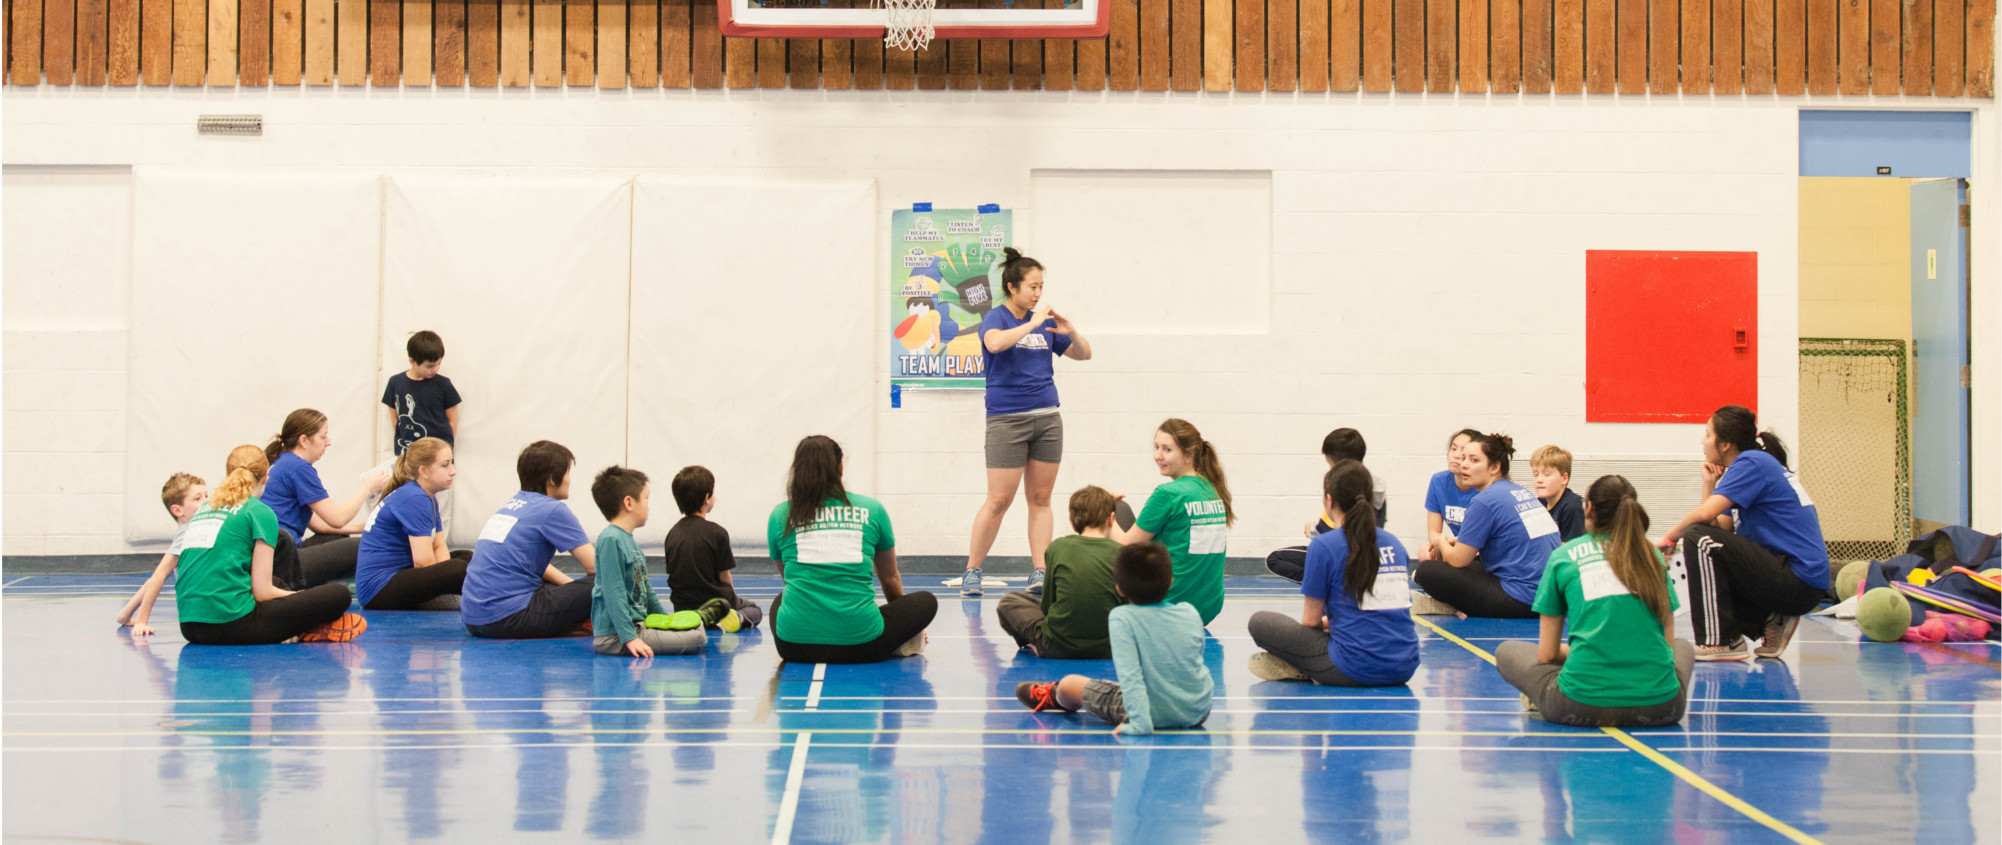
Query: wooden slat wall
x=1631, y=47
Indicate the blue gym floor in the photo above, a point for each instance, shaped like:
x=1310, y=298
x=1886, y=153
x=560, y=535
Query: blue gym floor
x=416, y=732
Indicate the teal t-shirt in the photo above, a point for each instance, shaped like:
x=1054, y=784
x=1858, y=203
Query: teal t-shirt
x=621, y=596
x=214, y=580
x=1619, y=655
x=1186, y=516
x=830, y=569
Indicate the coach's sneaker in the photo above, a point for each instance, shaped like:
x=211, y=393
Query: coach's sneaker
x=348, y=627
x=1039, y=697
x=1734, y=651
x=970, y=585
x=1779, y=632
x=1269, y=666
x=1036, y=583
x=1423, y=604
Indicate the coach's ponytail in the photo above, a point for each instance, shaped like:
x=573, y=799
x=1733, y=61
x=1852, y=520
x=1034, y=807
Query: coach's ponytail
x=1351, y=488
x=245, y=470
x=1203, y=459
x=299, y=424
x=1736, y=425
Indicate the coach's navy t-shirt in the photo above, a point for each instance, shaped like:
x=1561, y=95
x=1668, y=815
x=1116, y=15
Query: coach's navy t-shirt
x=1020, y=377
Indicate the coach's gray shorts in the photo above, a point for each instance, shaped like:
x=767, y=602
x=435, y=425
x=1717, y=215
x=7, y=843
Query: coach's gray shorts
x=1013, y=440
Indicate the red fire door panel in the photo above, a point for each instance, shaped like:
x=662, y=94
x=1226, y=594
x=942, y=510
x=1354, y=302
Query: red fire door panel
x=1670, y=336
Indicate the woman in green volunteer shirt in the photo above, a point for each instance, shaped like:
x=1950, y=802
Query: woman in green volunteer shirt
x=1620, y=668
x=224, y=594
x=827, y=542
x=1190, y=514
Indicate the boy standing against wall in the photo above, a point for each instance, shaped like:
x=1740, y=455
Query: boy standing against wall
x=423, y=404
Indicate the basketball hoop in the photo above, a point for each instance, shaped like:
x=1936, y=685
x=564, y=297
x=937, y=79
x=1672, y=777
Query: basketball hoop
x=908, y=24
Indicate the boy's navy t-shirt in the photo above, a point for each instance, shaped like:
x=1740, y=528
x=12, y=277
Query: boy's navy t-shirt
x=1569, y=512
x=1446, y=499
x=1020, y=378
x=290, y=489
x=1775, y=511
x=420, y=408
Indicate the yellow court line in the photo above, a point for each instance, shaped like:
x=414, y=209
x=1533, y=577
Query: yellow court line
x=750, y=728
x=1659, y=759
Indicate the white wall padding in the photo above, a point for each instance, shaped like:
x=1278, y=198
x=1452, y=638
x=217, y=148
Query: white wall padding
x=525, y=279
x=253, y=293
x=754, y=324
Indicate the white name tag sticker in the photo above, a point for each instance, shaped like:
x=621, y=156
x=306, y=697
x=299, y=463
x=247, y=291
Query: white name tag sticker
x=372, y=514
x=1538, y=521
x=498, y=527
x=1391, y=592
x=201, y=534
x=1597, y=581
x=1455, y=514
x=1800, y=490
x=1208, y=539
x=831, y=545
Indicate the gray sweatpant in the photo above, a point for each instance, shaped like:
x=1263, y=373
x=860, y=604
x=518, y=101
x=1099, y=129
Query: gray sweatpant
x=662, y=642
x=1303, y=647
x=1538, y=682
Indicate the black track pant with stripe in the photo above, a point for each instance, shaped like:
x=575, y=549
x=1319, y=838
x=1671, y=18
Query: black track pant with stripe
x=1735, y=585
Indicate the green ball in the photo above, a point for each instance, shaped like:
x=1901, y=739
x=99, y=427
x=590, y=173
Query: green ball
x=1884, y=614
x=1850, y=578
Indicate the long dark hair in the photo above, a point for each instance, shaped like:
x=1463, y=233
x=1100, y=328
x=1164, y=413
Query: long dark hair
x=1349, y=484
x=1014, y=266
x=1621, y=526
x=1202, y=458
x=815, y=477
x=299, y=424
x=1738, y=426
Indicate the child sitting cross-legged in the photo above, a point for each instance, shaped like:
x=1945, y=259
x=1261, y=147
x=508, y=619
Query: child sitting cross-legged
x=1157, y=650
x=699, y=559
x=623, y=605
x=1069, y=620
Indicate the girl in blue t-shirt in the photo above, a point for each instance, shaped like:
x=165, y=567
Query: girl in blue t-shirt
x=301, y=502
x=1753, y=548
x=1025, y=434
x=1446, y=498
x=1507, y=527
x=403, y=563
x=1355, y=626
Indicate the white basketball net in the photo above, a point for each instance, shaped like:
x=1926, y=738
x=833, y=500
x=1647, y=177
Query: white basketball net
x=908, y=24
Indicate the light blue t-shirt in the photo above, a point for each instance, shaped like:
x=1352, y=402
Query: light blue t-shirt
x=1515, y=535
x=290, y=489
x=1775, y=511
x=1372, y=643
x=406, y=512
x=1020, y=378
x=515, y=547
x=1157, y=649
x=1446, y=499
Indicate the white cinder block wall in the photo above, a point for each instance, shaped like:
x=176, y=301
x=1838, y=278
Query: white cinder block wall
x=1426, y=264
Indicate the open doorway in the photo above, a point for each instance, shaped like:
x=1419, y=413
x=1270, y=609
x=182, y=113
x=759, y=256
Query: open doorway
x=1884, y=413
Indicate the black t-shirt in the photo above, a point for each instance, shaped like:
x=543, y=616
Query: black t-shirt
x=420, y=408
x=1569, y=513
x=697, y=551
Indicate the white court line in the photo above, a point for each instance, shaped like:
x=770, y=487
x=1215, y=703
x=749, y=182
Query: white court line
x=796, y=773
x=955, y=746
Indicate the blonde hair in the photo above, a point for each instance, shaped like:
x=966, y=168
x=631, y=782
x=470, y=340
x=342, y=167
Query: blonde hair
x=416, y=456
x=1551, y=456
x=1202, y=458
x=245, y=470
x=175, y=491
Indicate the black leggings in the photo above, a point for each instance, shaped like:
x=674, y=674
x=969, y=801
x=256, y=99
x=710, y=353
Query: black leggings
x=1469, y=590
x=321, y=558
x=555, y=610
x=903, y=619
x=419, y=584
x=276, y=620
x=1735, y=585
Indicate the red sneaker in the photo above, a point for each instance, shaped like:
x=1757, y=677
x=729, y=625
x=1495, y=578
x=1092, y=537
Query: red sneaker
x=341, y=630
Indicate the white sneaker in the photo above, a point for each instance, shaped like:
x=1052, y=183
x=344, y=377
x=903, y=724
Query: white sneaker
x=1270, y=667
x=1423, y=604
